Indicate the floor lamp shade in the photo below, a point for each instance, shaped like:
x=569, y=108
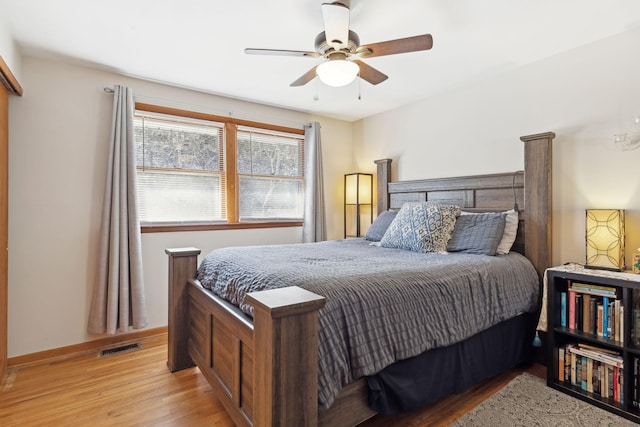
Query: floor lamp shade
x=358, y=203
x=605, y=239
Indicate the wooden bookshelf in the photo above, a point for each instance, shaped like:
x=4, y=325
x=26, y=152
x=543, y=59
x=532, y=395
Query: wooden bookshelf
x=573, y=334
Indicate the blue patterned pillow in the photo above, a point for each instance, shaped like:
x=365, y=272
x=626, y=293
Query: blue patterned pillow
x=477, y=234
x=380, y=226
x=421, y=227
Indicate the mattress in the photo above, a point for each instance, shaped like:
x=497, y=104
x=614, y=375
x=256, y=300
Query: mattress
x=383, y=305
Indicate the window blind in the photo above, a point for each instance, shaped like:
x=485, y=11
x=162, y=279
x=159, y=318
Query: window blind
x=180, y=169
x=270, y=168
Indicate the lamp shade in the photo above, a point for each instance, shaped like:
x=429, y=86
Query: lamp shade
x=337, y=72
x=605, y=239
x=357, y=188
x=358, y=203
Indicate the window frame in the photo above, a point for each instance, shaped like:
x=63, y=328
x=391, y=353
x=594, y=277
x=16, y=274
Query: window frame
x=230, y=149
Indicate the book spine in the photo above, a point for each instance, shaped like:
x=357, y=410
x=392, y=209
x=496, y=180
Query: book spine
x=586, y=314
x=572, y=309
x=561, y=364
x=600, y=320
x=610, y=359
x=583, y=375
x=605, y=317
x=593, y=316
x=563, y=309
x=636, y=364
x=618, y=318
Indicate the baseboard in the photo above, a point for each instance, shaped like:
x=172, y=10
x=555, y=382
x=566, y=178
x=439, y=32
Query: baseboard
x=82, y=349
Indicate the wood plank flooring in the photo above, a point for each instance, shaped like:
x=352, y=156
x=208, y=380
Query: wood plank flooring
x=137, y=389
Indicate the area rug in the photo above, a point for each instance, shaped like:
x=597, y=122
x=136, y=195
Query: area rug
x=527, y=401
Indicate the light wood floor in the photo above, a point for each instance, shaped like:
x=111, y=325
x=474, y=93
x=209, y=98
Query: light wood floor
x=137, y=389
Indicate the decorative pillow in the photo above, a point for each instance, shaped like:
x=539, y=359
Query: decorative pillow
x=477, y=234
x=380, y=225
x=510, y=231
x=421, y=227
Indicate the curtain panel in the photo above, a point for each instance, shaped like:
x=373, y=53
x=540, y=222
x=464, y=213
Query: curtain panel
x=118, y=301
x=314, y=228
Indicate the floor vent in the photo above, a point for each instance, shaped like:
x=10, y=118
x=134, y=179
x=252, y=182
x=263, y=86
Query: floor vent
x=118, y=350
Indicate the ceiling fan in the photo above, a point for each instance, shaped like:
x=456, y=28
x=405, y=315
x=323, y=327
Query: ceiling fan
x=340, y=47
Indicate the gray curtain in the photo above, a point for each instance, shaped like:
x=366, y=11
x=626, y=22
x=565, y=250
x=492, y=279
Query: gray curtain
x=118, y=296
x=314, y=228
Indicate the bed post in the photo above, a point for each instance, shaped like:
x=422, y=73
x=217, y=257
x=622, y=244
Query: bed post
x=183, y=263
x=383, y=177
x=285, y=331
x=537, y=199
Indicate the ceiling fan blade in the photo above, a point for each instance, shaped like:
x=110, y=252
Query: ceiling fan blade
x=392, y=47
x=305, y=78
x=336, y=24
x=370, y=74
x=280, y=52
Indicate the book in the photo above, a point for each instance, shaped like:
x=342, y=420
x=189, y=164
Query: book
x=610, y=382
x=583, y=374
x=586, y=313
x=600, y=320
x=590, y=375
x=567, y=366
x=634, y=390
x=572, y=309
x=600, y=349
x=563, y=309
x=573, y=357
x=593, y=289
x=561, y=363
x=604, y=379
x=593, y=315
x=617, y=318
x=579, y=308
x=605, y=317
x=635, y=331
x=612, y=359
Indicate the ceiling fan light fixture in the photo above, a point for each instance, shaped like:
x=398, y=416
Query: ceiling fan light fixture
x=337, y=72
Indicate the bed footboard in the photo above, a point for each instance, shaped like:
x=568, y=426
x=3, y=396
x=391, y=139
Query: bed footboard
x=264, y=372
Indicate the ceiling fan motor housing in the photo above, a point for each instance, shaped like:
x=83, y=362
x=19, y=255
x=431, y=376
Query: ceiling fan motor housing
x=322, y=45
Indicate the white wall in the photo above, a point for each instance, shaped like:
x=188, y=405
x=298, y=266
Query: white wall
x=585, y=96
x=59, y=132
x=9, y=52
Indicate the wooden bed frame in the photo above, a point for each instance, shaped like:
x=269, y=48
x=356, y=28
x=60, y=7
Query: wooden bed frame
x=265, y=370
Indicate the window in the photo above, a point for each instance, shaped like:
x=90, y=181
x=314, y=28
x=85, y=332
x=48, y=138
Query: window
x=205, y=171
x=270, y=172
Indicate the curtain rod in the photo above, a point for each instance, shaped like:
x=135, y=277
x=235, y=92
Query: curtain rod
x=292, y=123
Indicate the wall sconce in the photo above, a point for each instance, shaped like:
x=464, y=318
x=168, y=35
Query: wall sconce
x=358, y=203
x=605, y=239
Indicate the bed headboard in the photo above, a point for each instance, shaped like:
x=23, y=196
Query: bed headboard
x=494, y=192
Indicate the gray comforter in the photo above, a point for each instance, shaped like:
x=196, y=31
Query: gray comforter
x=383, y=305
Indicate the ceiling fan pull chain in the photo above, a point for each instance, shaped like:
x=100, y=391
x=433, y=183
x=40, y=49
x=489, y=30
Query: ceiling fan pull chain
x=359, y=87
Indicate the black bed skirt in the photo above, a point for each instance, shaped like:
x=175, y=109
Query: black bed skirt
x=419, y=381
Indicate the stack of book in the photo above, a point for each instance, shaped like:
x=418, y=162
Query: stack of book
x=592, y=309
x=593, y=369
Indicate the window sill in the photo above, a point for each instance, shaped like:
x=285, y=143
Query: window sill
x=225, y=226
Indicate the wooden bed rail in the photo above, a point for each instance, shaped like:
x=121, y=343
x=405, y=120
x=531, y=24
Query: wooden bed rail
x=183, y=263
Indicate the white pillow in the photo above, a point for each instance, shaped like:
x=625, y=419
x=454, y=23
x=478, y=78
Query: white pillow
x=510, y=231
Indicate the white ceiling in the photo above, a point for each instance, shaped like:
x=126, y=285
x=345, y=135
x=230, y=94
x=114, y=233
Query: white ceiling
x=199, y=44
